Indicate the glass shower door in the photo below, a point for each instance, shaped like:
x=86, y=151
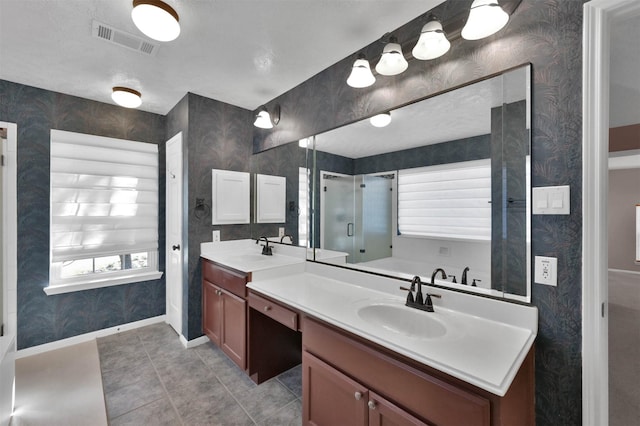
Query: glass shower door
x=338, y=221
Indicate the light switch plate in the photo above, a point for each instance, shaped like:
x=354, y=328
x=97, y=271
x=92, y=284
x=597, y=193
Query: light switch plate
x=281, y=232
x=551, y=200
x=546, y=270
x=215, y=236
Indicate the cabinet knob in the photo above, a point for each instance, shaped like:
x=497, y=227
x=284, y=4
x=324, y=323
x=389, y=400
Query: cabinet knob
x=371, y=405
x=358, y=396
x=267, y=308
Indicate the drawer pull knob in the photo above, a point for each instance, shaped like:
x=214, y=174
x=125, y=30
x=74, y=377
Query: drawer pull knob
x=358, y=396
x=267, y=308
x=371, y=405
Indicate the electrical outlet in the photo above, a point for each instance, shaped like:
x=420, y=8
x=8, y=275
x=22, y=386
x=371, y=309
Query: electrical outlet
x=546, y=270
x=215, y=236
x=280, y=232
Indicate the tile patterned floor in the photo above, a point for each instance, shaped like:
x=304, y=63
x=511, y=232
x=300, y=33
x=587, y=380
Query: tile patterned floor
x=149, y=378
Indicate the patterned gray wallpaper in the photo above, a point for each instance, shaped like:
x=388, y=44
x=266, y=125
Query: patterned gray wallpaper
x=548, y=34
x=42, y=318
x=216, y=135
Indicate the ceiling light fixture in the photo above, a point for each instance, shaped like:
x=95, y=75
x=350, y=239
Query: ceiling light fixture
x=361, y=75
x=392, y=61
x=485, y=18
x=156, y=19
x=381, y=120
x=264, y=120
x=433, y=41
x=126, y=97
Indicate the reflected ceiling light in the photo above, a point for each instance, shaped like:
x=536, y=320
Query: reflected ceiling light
x=264, y=120
x=126, y=97
x=392, y=61
x=156, y=19
x=432, y=43
x=361, y=75
x=485, y=18
x=381, y=120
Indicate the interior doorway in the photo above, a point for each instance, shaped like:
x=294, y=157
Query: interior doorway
x=599, y=17
x=174, y=240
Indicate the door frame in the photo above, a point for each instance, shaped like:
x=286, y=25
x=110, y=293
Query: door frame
x=176, y=139
x=597, y=17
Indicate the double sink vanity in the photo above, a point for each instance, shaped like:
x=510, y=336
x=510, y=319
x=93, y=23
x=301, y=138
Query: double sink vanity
x=366, y=357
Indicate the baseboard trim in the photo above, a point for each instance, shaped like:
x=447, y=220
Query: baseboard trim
x=188, y=344
x=34, y=350
x=624, y=271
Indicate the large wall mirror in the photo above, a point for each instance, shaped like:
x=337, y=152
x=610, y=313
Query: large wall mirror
x=446, y=184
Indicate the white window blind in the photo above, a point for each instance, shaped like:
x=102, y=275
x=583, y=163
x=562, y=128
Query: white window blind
x=448, y=201
x=303, y=206
x=104, y=196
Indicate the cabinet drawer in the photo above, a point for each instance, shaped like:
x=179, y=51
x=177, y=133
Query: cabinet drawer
x=274, y=311
x=232, y=281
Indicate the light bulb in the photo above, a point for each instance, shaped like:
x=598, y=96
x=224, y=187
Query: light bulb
x=156, y=19
x=126, y=97
x=432, y=43
x=361, y=75
x=392, y=61
x=381, y=120
x=263, y=120
x=485, y=18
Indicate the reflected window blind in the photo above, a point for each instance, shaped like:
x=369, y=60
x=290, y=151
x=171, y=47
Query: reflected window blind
x=303, y=206
x=104, y=196
x=448, y=200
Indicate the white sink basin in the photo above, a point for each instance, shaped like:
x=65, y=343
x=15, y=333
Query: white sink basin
x=251, y=257
x=403, y=320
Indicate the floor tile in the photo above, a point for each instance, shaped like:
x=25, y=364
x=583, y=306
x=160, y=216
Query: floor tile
x=133, y=396
x=127, y=373
x=157, y=413
x=289, y=415
x=265, y=400
x=292, y=379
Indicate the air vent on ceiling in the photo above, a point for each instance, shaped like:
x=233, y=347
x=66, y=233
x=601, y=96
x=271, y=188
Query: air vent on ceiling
x=130, y=41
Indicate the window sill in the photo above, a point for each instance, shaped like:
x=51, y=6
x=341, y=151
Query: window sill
x=102, y=282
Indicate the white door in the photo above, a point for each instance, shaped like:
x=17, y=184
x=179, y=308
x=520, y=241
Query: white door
x=174, y=247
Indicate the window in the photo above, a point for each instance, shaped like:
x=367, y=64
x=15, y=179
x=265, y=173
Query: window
x=303, y=206
x=104, y=212
x=446, y=201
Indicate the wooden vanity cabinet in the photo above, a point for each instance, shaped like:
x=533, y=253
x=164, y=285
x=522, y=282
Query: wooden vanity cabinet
x=339, y=368
x=332, y=398
x=224, y=310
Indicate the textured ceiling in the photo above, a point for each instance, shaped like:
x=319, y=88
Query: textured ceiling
x=243, y=52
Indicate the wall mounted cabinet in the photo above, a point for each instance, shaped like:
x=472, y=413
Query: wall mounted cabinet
x=271, y=193
x=230, y=195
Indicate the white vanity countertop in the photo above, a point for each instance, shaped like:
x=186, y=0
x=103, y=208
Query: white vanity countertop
x=485, y=342
x=245, y=255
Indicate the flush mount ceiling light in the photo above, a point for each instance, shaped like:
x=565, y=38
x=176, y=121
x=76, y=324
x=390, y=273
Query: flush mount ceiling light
x=485, y=18
x=392, y=61
x=432, y=43
x=381, y=120
x=264, y=120
x=361, y=75
x=126, y=97
x=156, y=19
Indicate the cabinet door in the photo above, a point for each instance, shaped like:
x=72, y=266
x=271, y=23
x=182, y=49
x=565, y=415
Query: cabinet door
x=329, y=397
x=212, y=311
x=386, y=413
x=234, y=326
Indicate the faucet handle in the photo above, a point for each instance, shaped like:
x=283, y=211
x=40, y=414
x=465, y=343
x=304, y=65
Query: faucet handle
x=410, y=299
x=428, y=303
